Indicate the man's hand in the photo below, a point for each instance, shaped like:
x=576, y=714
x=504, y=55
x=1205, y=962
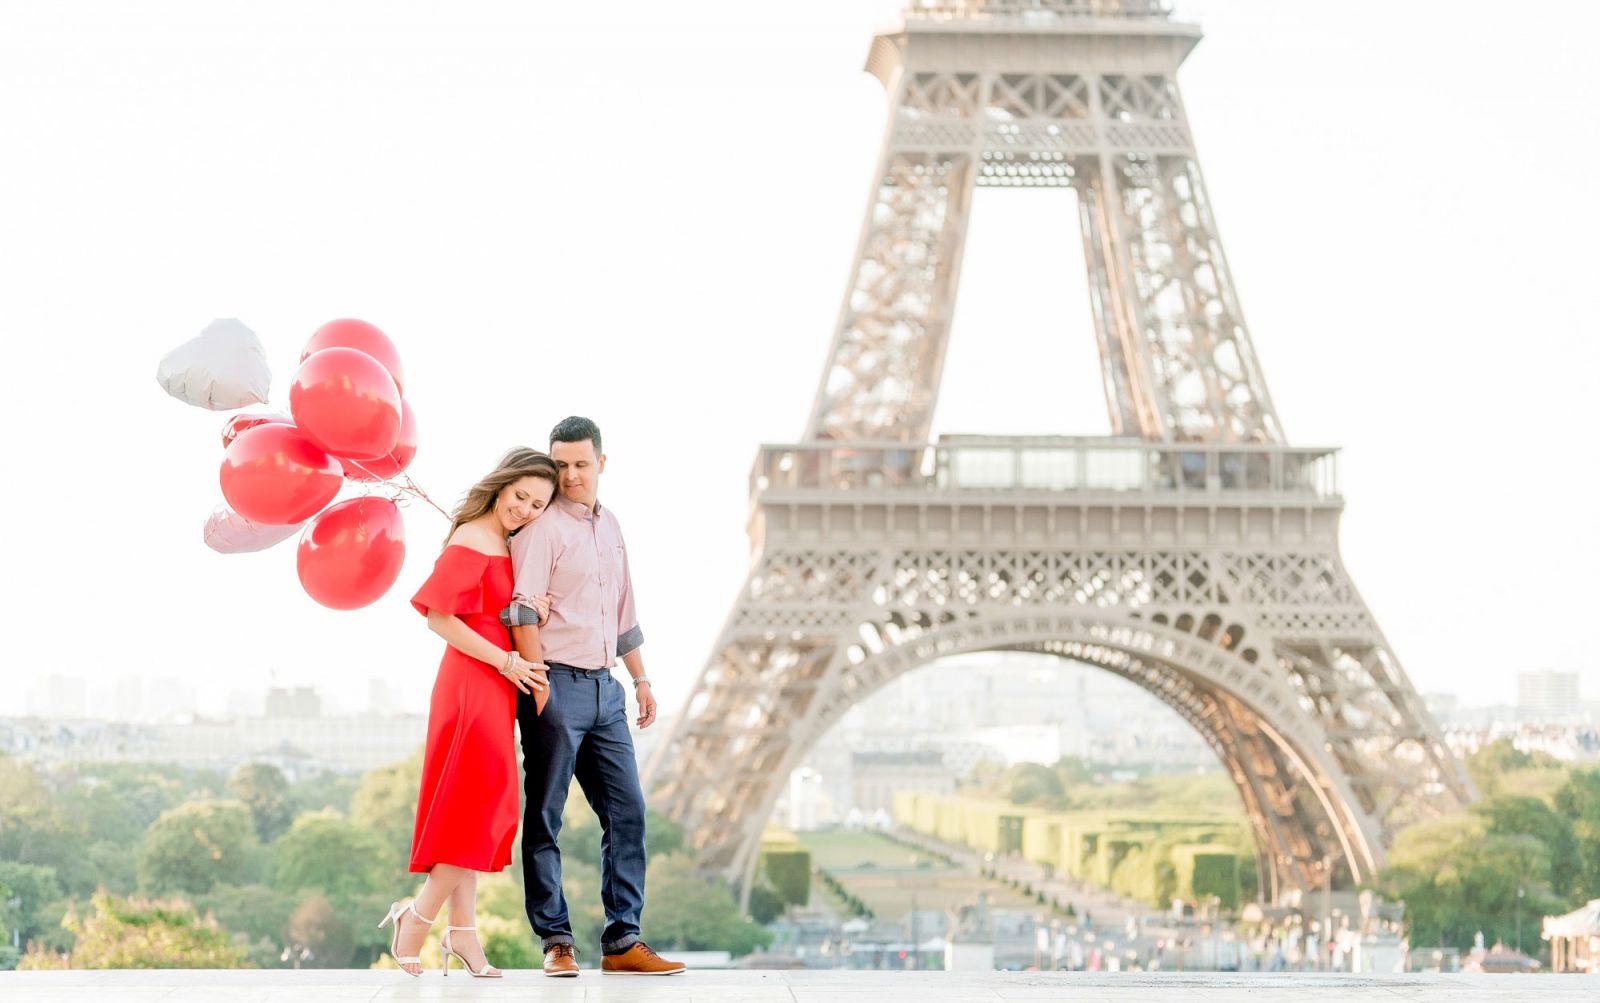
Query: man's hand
x=647, y=705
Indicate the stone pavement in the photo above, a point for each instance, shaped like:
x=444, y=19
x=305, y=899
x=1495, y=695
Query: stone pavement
x=362, y=986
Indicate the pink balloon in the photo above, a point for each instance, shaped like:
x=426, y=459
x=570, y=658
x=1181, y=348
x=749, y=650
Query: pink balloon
x=351, y=554
x=399, y=457
x=347, y=403
x=272, y=474
x=361, y=336
x=250, y=419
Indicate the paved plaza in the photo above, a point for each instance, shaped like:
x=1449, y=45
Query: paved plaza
x=361, y=986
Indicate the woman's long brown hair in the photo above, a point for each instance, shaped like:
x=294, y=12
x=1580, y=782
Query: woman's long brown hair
x=513, y=467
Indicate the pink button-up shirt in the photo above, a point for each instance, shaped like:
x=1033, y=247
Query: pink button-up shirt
x=577, y=556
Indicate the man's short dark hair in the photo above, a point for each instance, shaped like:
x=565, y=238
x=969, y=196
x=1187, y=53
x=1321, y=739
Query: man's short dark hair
x=576, y=429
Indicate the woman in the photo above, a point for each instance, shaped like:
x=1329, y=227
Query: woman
x=467, y=811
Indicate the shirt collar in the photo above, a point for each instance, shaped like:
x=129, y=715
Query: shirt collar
x=577, y=510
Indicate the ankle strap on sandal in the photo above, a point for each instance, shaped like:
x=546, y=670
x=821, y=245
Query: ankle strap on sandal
x=464, y=929
x=412, y=908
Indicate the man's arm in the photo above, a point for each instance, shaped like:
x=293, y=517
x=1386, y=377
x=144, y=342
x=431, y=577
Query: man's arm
x=533, y=557
x=629, y=638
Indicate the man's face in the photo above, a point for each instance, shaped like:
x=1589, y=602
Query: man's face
x=580, y=469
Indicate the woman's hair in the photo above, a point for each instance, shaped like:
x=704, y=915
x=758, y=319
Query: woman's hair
x=513, y=467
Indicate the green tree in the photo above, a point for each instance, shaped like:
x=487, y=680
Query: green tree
x=119, y=801
x=385, y=802
x=1513, y=815
x=1456, y=879
x=508, y=943
x=323, y=789
x=28, y=815
x=1579, y=800
x=789, y=872
x=580, y=832
x=140, y=933
x=115, y=868
x=386, y=798
x=265, y=792
x=34, y=829
x=1074, y=771
x=765, y=904
x=1500, y=767
x=326, y=852
x=256, y=911
x=689, y=911
x=197, y=845
x=32, y=888
x=317, y=926
x=1030, y=783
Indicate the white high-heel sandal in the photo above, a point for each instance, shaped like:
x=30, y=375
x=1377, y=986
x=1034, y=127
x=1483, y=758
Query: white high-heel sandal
x=396, y=913
x=488, y=971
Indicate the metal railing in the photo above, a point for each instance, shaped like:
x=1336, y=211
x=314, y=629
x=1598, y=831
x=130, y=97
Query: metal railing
x=1050, y=464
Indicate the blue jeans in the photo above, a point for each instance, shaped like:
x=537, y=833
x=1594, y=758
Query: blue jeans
x=582, y=733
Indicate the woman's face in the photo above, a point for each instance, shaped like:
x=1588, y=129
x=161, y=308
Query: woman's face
x=521, y=501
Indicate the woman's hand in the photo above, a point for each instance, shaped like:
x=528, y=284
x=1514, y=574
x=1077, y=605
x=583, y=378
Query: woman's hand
x=529, y=677
x=542, y=605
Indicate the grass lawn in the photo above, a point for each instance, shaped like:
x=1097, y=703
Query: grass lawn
x=879, y=871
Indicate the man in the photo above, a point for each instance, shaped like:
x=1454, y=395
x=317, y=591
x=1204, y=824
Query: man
x=575, y=553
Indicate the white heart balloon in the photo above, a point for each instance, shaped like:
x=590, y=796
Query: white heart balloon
x=222, y=368
x=228, y=532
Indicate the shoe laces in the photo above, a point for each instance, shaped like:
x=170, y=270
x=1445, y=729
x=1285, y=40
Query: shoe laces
x=564, y=950
x=647, y=950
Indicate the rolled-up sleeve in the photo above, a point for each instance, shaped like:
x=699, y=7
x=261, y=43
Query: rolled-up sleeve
x=533, y=559
x=629, y=635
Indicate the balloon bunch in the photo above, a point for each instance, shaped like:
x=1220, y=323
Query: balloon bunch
x=348, y=421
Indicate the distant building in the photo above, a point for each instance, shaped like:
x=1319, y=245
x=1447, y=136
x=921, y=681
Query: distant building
x=1547, y=695
x=297, y=744
x=293, y=701
x=808, y=805
x=1442, y=707
x=875, y=776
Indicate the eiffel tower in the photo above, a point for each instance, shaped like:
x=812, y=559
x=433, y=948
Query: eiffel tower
x=1193, y=551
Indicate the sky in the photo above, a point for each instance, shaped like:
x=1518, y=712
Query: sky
x=646, y=213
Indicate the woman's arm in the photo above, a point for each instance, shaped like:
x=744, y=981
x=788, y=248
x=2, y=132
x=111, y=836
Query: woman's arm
x=469, y=642
x=526, y=640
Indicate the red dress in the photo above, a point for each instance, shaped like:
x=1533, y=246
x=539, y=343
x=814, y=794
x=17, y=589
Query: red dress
x=467, y=808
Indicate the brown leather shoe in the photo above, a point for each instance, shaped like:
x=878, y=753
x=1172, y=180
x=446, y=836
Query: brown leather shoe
x=561, y=962
x=639, y=960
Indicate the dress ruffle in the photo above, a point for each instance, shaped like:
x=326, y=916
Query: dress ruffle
x=456, y=585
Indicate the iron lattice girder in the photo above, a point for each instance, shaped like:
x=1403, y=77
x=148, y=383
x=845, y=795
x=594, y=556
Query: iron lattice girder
x=1092, y=110
x=1250, y=628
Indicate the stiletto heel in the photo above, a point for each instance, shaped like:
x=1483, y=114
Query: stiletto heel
x=395, y=916
x=488, y=971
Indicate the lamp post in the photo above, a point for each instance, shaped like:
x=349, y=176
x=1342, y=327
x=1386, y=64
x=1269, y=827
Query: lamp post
x=1325, y=956
x=1519, y=918
x=916, y=939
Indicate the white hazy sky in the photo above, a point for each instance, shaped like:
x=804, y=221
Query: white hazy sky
x=645, y=212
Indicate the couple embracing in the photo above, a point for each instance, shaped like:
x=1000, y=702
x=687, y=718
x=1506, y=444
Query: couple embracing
x=533, y=597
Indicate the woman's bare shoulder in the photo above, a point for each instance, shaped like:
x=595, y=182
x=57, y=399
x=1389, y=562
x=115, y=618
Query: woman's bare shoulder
x=477, y=537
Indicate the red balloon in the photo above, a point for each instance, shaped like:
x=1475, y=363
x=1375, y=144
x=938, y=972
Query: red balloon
x=351, y=554
x=361, y=336
x=274, y=475
x=250, y=419
x=399, y=457
x=346, y=403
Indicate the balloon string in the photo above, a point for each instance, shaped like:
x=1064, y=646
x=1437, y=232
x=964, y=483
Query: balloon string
x=410, y=487
x=416, y=489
